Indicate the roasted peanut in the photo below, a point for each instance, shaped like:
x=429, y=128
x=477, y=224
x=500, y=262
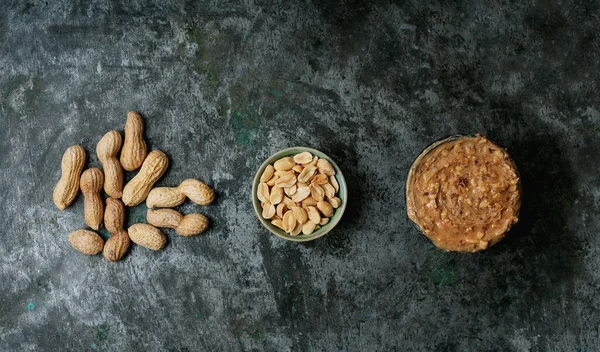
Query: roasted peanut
x=300, y=214
x=169, y=197
x=147, y=236
x=185, y=225
x=325, y=167
x=303, y=158
x=114, y=218
x=267, y=174
x=308, y=227
x=86, y=241
x=284, y=164
x=311, y=184
x=325, y=208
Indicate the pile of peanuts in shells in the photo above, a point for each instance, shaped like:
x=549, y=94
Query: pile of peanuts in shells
x=299, y=194
x=91, y=182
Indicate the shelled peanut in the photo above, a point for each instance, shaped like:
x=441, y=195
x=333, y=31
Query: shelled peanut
x=299, y=194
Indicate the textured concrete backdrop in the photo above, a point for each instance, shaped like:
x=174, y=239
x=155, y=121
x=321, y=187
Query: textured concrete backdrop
x=222, y=85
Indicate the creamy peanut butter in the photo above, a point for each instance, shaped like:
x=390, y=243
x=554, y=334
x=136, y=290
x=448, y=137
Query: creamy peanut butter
x=463, y=193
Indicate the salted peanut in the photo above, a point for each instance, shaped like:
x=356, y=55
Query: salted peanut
x=286, y=181
x=324, y=221
x=301, y=194
x=335, y=202
x=281, y=209
x=307, y=174
x=86, y=241
x=302, y=184
x=147, y=236
x=313, y=214
x=267, y=174
x=329, y=190
x=134, y=148
x=289, y=221
x=268, y=211
x=309, y=201
x=325, y=167
x=325, y=208
x=262, y=193
x=290, y=191
x=297, y=229
x=272, y=181
x=71, y=166
x=278, y=223
x=283, y=173
x=303, y=158
x=276, y=196
x=298, y=168
x=317, y=192
x=288, y=202
x=319, y=179
x=334, y=183
x=314, y=161
x=300, y=214
x=308, y=227
x=91, y=183
x=284, y=164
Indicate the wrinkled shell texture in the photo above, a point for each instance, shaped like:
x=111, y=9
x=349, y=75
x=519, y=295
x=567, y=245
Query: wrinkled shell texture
x=67, y=187
x=86, y=241
x=152, y=169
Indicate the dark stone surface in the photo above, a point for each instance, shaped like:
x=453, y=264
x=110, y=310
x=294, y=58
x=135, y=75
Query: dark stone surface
x=222, y=85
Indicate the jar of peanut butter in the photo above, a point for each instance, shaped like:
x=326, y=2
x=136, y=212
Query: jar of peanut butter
x=463, y=193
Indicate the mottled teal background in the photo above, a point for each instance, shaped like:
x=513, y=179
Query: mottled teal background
x=224, y=84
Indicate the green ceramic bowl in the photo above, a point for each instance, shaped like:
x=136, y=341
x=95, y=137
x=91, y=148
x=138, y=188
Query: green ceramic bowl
x=337, y=215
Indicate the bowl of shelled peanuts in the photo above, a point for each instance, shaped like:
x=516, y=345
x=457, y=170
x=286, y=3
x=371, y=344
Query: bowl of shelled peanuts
x=299, y=194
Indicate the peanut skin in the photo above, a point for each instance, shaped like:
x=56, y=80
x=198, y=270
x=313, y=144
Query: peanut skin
x=185, y=225
x=169, y=197
x=68, y=185
x=137, y=189
x=91, y=184
x=107, y=149
x=134, y=149
x=114, y=218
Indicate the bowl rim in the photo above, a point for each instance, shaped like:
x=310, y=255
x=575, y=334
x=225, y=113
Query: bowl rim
x=325, y=229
